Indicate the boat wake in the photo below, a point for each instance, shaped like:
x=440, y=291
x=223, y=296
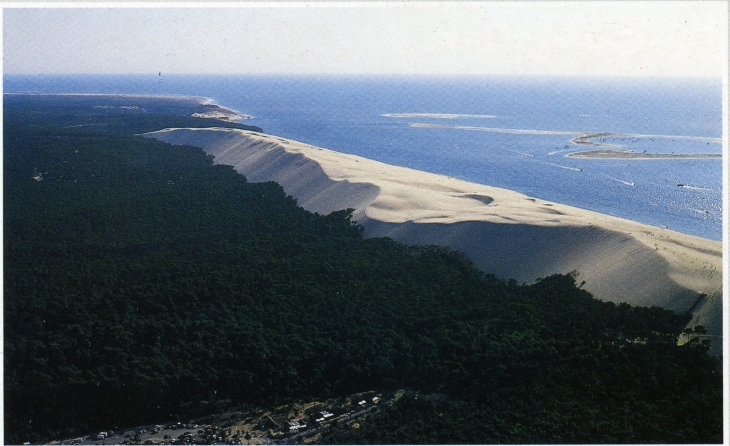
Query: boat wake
x=574, y=169
x=700, y=211
x=555, y=152
x=627, y=183
x=686, y=186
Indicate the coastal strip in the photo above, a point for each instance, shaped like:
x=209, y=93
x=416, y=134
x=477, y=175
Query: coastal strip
x=216, y=111
x=211, y=109
x=503, y=232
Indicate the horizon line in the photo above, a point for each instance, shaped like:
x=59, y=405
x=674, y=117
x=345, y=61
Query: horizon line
x=347, y=74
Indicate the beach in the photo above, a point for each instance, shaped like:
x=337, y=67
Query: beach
x=503, y=232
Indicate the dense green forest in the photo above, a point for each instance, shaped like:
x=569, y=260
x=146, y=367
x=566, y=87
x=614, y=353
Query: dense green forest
x=142, y=284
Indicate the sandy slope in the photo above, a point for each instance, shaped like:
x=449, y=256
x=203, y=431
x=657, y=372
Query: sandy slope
x=501, y=231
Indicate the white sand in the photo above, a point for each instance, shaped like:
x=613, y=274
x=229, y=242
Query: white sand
x=501, y=231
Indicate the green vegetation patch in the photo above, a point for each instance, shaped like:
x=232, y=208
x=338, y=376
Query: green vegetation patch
x=144, y=284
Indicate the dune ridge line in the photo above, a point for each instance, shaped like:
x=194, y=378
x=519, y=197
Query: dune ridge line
x=503, y=232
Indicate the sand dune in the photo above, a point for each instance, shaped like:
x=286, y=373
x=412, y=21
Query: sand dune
x=501, y=231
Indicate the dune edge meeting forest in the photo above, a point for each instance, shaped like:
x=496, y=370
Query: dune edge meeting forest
x=145, y=284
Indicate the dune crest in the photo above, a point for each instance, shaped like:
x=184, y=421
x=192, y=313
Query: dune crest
x=501, y=231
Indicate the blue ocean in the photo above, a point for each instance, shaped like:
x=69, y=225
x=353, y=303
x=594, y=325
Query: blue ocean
x=511, y=132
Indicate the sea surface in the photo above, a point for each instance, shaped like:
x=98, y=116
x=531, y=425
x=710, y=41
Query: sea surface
x=511, y=132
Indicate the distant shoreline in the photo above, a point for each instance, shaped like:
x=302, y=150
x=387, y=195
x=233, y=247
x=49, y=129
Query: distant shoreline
x=215, y=110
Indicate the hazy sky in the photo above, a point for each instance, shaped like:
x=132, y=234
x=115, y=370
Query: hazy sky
x=596, y=38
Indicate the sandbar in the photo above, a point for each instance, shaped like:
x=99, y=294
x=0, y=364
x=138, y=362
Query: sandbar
x=626, y=154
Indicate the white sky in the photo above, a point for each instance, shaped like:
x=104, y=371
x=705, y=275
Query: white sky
x=657, y=38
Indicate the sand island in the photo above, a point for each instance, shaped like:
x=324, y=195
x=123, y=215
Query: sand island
x=627, y=154
x=618, y=153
